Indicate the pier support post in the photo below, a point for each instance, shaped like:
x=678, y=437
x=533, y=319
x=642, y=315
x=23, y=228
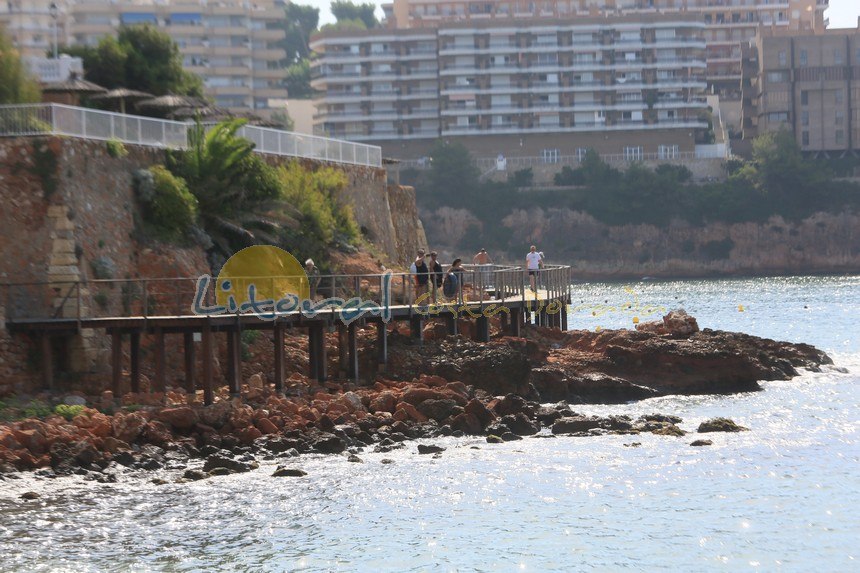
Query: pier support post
x=279, y=356
x=352, y=346
x=450, y=323
x=234, y=361
x=190, y=362
x=342, y=350
x=207, y=365
x=317, y=353
x=504, y=322
x=135, y=361
x=116, y=364
x=416, y=327
x=564, y=317
x=47, y=361
x=382, y=342
x=160, y=384
x=516, y=322
x=482, y=329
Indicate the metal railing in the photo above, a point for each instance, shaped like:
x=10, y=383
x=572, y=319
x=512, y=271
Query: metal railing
x=176, y=297
x=70, y=121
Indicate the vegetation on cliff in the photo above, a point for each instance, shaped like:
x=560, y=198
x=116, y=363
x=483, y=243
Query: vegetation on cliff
x=16, y=84
x=227, y=197
x=778, y=180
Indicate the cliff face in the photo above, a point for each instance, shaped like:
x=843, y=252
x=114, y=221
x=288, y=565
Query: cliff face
x=823, y=243
x=69, y=214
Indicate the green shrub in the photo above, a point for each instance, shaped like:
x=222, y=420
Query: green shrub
x=101, y=299
x=68, y=412
x=116, y=148
x=523, y=177
x=173, y=209
x=36, y=409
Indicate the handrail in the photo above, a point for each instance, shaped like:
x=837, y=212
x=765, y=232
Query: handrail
x=18, y=120
x=174, y=296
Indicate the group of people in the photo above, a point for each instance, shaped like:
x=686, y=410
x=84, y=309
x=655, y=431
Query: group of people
x=428, y=276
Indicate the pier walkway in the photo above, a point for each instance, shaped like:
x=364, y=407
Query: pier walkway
x=66, y=317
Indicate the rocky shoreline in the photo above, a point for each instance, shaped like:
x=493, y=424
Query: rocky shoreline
x=448, y=386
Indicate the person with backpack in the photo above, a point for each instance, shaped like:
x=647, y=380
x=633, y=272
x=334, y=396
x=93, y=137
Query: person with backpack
x=452, y=284
x=422, y=274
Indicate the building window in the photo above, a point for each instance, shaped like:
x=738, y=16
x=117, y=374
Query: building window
x=668, y=152
x=804, y=118
x=782, y=59
x=804, y=97
x=777, y=77
x=549, y=155
x=777, y=116
x=840, y=137
x=804, y=58
x=840, y=117
x=633, y=153
x=581, y=152
x=838, y=96
x=837, y=58
x=804, y=138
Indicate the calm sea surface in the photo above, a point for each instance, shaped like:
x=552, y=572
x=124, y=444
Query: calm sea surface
x=782, y=497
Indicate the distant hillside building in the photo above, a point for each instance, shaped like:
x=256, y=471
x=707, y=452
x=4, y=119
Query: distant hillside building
x=231, y=44
x=631, y=86
x=809, y=83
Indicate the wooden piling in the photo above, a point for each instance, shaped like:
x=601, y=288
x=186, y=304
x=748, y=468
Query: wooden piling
x=116, y=364
x=208, y=358
x=190, y=362
x=135, y=361
x=47, y=361
x=159, y=381
x=279, y=357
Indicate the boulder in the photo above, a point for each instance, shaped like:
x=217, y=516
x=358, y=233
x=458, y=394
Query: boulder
x=720, y=425
x=519, y=424
x=466, y=423
x=437, y=409
x=127, y=426
x=477, y=408
x=181, y=418
x=329, y=444
x=701, y=443
x=429, y=449
x=222, y=461
x=289, y=472
x=573, y=424
x=384, y=402
x=266, y=426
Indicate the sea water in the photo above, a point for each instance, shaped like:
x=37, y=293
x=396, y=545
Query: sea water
x=781, y=497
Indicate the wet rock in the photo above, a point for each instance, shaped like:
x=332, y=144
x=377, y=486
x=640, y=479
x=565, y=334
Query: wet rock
x=572, y=424
x=676, y=323
x=29, y=495
x=429, y=449
x=329, y=444
x=195, y=475
x=386, y=461
x=510, y=437
x=220, y=472
x=384, y=402
x=548, y=414
x=289, y=472
x=124, y=458
x=661, y=418
x=494, y=439
x=617, y=423
x=161, y=481
x=438, y=410
x=720, y=425
x=477, y=409
x=667, y=429
x=220, y=461
x=633, y=445
x=511, y=404
x=355, y=459
x=266, y=426
x=519, y=424
x=466, y=423
x=701, y=443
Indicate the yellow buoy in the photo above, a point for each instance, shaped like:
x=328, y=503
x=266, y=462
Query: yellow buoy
x=635, y=320
x=598, y=328
x=740, y=308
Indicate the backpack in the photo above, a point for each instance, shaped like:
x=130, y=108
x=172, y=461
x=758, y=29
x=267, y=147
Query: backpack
x=450, y=284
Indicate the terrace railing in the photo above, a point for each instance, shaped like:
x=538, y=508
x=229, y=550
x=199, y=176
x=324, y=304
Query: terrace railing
x=71, y=121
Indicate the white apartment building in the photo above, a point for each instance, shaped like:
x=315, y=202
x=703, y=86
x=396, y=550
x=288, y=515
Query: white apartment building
x=231, y=44
x=629, y=85
x=30, y=25
x=729, y=22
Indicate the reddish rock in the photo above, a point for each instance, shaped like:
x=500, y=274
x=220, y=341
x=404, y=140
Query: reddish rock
x=384, y=402
x=113, y=445
x=157, y=433
x=33, y=440
x=127, y=426
x=181, y=418
x=266, y=426
x=406, y=411
x=466, y=423
x=415, y=396
x=477, y=409
x=247, y=435
x=94, y=421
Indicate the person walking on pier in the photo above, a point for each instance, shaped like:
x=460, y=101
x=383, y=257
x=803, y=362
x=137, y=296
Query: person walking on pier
x=534, y=263
x=483, y=261
x=422, y=274
x=313, y=277
x=452, y=285
x=436, y=275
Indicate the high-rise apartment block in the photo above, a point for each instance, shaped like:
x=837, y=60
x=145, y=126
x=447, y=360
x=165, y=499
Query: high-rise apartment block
x=729, y=22
x=231, y=44
x=808, y=83
x=627, y=85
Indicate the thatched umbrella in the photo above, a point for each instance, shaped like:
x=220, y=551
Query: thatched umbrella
x=121, y=95
x=70, y=90
x=164, y=105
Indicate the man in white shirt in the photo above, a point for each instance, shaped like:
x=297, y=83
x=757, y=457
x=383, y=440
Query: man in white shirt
x=534, y=262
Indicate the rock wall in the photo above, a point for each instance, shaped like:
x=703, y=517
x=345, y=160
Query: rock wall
x=68, y=213
x=823, y=243
x=408, y=230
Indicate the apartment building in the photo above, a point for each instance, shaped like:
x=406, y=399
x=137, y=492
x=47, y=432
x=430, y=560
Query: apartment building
x=630, y=85
x=729, y=22
x=231, y=44
x=30, y=24
x=809, y=83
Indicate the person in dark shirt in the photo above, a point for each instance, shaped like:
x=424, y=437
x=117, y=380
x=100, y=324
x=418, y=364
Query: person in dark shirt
x=422, y=276
x=436, y=275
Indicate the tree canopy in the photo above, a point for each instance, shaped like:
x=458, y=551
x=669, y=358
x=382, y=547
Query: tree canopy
x=344, y=10
x=16, y=84
x=300, y=23
x=140, y=58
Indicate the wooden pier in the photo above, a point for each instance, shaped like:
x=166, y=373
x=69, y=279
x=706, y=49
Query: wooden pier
x=162, y=309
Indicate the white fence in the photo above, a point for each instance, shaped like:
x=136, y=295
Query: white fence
x=70, y=121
